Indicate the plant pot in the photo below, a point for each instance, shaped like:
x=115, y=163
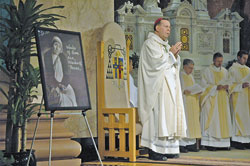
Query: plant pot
x=21, y=158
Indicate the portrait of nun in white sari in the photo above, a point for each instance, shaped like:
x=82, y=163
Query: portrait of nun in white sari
x=59, y=91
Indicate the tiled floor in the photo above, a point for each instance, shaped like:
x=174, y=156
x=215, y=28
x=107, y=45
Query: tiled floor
x=204, y=157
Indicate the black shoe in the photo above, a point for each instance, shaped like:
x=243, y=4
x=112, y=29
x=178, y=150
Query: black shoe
x=172, y=156
x=183, y=149
x=156, y=156
x=210, y=148
x=192, y=148
x=247, y=145
x=143, y=151
x=202, y=147
x=224, y=148
x=238, y=145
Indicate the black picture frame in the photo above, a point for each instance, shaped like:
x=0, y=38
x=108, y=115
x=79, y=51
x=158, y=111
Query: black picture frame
x=62, y=68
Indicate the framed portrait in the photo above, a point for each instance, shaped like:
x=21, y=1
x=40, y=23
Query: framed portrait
x=62, y=67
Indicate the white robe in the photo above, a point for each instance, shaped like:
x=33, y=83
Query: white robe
x=192, y=108
x=215, y=124
x=67, y=96
x=160, y=102
x=133, y=92
x=240, y=103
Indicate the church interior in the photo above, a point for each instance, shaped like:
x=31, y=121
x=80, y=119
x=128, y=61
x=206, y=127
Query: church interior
x=112, y=33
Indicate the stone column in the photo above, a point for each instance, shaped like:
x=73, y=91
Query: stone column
x=140, y=34
x=236, y=37
x=219, y=37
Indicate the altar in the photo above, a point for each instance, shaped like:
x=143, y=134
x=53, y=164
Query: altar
x=201, y=35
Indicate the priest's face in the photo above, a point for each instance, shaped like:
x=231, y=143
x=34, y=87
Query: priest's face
x=188, y=68
x=163, y=29
x=218, y=61
x=243, y=60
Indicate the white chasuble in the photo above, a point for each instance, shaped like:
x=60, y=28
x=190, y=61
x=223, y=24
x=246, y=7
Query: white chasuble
x=240, y=106
x=216, y=122
x=160, y=102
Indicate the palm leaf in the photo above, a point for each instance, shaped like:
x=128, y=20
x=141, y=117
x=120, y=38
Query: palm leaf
x=3, y=69
x=50, y=8
x=18, y=32
x=30, y=110
x=4, y=93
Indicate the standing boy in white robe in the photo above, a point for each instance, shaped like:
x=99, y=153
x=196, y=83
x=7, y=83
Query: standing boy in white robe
x=240, y=90
x=160, y=102
x=191, y=92
x=216, y=122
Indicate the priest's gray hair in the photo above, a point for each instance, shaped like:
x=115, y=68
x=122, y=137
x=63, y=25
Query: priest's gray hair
x=187, y=62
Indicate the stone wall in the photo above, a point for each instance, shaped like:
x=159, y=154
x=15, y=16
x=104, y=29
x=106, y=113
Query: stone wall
x=240, y=6
x=215, y=6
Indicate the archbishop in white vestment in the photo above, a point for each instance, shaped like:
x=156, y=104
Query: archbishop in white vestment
x=160, y=102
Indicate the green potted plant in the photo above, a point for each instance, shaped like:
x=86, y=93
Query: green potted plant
x=5, y=161
x=16, y=47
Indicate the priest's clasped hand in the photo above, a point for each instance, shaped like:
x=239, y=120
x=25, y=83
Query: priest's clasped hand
x=245, y=85
x=222, y=87
x=187, y=92
x=175, y=49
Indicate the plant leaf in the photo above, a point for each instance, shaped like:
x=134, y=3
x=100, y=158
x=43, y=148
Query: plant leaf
x=4, y=93
x=3, y=69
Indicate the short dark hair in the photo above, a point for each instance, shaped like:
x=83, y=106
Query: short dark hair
x=217, y=55
x=158, y=21
x=241, y=53
x=187, y=62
